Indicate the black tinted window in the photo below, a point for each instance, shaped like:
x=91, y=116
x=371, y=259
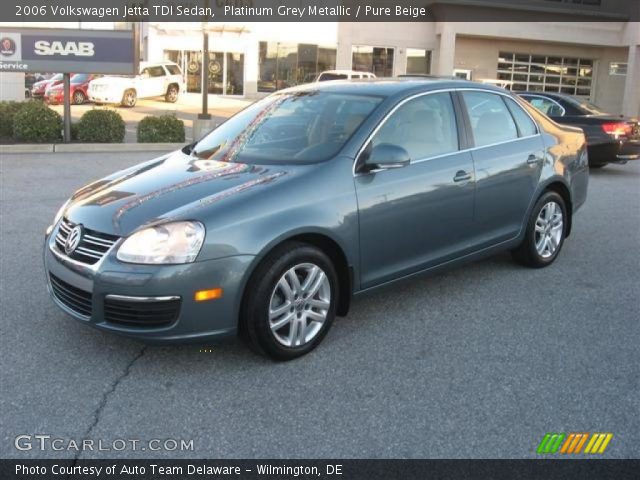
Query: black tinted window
x=526, y=126
x=174, y=70
x=545, y=105
x=491, y=121
x=154, y=71
x=424, y=126
x=332, y=76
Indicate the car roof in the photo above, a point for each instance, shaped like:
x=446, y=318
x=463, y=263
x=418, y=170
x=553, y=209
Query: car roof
x=148, y=64
x=387, y=87
x=564, y=96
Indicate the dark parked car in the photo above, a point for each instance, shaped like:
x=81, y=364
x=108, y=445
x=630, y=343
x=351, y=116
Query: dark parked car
x=39, y=88
x=611, y=138
x=79, y=85
x=271, y=223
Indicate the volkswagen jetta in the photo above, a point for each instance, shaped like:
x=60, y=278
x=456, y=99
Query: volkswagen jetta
x=269, y=225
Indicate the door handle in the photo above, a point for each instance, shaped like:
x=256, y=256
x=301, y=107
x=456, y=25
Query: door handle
x=533, y=159
x=462, y=176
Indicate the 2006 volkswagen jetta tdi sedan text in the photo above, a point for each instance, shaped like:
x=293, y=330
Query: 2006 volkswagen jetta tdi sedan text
x=269, y=225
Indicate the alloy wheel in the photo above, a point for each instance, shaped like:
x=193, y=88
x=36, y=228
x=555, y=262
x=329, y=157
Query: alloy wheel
x=299, y=305
x=549, y=229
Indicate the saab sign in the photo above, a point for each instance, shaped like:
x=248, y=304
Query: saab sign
x=68, y=51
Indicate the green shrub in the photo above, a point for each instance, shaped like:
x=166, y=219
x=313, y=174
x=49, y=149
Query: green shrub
x=165, y=128
x=8, y=111
x=100, y=126
x=35, y=122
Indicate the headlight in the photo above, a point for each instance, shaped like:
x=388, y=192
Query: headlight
x=58, y=216
x=177, y=242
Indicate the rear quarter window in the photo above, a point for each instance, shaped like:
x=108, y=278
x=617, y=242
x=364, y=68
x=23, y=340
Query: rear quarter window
x=173, y=70
x=526, y=126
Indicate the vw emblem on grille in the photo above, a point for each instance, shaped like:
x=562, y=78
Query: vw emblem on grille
x=73, y=240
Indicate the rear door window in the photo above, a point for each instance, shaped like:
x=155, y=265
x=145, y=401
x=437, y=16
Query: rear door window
x=491, y=121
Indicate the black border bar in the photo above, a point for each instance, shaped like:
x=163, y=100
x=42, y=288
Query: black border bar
x=321, y=469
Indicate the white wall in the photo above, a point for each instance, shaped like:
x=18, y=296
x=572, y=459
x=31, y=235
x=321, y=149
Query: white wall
x=11, y=86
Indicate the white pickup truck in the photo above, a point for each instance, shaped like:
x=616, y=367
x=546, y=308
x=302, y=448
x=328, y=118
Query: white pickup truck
x=155, y=80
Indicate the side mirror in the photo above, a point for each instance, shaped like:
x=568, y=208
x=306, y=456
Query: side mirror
x=386, y=156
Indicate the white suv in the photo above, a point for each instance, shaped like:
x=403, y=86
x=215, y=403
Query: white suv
x=155, y=80
x=343, y=75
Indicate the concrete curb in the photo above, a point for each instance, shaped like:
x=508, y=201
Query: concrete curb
x=91, y=147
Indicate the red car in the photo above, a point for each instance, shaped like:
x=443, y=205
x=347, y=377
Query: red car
x=78, y=91
x=39, y=88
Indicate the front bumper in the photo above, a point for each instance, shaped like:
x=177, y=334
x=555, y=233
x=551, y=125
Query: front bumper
x=104, y=97
x=195, y=321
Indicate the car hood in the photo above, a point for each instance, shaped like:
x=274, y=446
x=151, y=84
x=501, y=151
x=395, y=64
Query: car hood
x=176, y=186
x=41, y=84
x=112, y=81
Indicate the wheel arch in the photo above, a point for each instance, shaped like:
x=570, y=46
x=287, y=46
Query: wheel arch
x=329, y=246
x=561, y=188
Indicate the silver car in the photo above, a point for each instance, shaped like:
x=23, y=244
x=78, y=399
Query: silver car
x=269, y=225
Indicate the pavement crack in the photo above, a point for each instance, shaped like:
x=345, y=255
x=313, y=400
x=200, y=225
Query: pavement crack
x=105, y=398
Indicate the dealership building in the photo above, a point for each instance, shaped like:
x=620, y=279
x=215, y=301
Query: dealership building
x=599, y=61
x=572, y=51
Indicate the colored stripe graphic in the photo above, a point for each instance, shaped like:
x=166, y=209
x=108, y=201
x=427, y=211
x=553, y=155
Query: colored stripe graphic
x=598, y=443
x=551, y=442
x=574, y=442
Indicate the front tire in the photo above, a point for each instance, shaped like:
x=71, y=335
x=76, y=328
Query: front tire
x=78, y=98
x=546, y=231
x=290, y=302
x=172, y=94
x=129, y=98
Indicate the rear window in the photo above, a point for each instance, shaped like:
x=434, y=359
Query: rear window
x=174, y=69
x=332, y=76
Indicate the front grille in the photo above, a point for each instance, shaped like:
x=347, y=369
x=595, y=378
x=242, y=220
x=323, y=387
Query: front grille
x=139, y=313
x=92, y=246
x=73, y=297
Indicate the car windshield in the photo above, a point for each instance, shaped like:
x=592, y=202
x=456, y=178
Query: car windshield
x=294, y=127
x=80, y=78
x=56, y=77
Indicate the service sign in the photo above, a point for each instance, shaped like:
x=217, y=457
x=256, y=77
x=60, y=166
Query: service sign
x=67, y=51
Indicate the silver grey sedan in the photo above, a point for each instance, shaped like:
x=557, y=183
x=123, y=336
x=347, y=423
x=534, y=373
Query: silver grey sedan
x=269, y=225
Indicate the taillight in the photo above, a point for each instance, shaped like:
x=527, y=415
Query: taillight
x=618, y=129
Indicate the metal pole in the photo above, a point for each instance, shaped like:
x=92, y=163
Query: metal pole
x=205, y=68
x=205, y=76
x=67, y=107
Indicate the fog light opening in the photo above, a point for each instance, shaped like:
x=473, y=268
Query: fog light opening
x=204, y=295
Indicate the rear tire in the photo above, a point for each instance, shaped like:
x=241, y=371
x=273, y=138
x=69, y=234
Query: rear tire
x=290, y=302
x=546, y=231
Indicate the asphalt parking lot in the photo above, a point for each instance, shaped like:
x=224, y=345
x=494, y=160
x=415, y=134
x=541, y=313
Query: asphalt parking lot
x=478, y=362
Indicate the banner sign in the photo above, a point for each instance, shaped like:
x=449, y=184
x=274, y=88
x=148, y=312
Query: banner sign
x=319, y=10
x=67, y=51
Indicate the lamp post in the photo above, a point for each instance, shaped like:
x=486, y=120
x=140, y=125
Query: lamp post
x=204, y=115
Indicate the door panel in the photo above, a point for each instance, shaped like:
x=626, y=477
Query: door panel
x=508, y=159
x=422, y=214
x=413, y=217
x=506, y=178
